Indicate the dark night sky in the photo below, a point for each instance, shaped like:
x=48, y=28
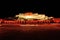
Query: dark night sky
x=14, y=7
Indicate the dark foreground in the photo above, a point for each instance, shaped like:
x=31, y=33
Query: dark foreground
x=19, y=32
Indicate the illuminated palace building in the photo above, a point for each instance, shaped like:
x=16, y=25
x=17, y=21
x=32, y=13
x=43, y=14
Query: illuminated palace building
x=31, y=18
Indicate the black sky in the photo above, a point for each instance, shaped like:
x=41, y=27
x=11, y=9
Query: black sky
x=11, y=8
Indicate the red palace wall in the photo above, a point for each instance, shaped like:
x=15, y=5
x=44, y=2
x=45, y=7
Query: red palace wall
x=55, y=20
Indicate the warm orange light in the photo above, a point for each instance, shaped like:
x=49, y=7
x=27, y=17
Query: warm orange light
x=28, y=13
